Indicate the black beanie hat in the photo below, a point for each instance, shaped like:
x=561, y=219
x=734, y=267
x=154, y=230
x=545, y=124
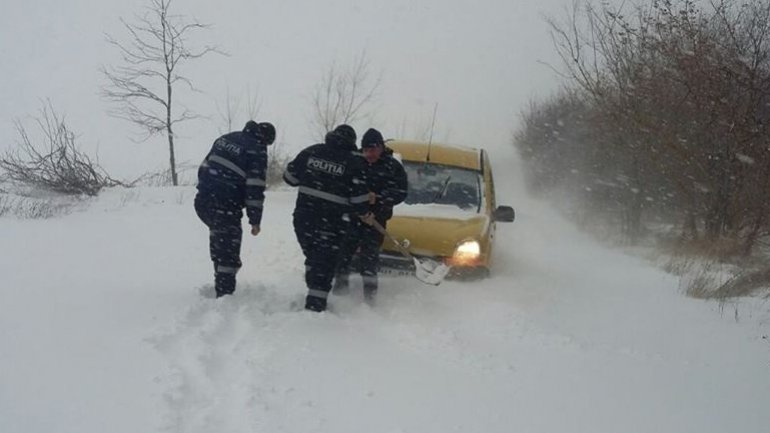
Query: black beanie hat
x=372, y=138
x=264, y=131
x=251, y=126
x=343, y=135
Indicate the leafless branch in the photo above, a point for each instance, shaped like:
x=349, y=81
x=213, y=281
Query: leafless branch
x=142, y=88
x=343, y=95
x=673, y=113
x=54, y=161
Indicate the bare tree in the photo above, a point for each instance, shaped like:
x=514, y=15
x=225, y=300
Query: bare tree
x=231, y=115
x=143, y=87
x=246, y=106
x=343, y=95
x=53, y=162
x=676, y=96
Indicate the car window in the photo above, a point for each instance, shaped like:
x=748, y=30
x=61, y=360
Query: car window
x=442, y=184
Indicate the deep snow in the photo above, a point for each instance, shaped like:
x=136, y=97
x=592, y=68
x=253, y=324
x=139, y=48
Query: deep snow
x=104, y=327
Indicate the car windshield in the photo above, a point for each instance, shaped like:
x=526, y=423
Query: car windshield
x=442, y=184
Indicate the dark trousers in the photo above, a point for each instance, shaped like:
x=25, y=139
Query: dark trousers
x=366, y=241
x=225, y=233
x=320, y=238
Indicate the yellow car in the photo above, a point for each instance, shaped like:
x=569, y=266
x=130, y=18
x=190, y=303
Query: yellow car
x=450, y=210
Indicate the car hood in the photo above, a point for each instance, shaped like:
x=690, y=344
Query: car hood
x=434, y=230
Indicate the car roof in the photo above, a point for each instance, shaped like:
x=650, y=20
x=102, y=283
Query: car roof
x=457, y=156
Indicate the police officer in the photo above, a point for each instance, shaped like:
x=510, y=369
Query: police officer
x=331, y=185
x=231, y=177
x=387, y=184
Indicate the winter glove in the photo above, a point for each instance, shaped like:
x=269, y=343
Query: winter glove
x=254, y=230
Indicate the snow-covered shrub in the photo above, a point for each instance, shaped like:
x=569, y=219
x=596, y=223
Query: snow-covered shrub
x=50, y=160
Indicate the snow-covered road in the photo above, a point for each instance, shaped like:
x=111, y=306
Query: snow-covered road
x=103, y=328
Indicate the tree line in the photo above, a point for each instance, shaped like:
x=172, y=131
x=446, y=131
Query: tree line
x=663, y=118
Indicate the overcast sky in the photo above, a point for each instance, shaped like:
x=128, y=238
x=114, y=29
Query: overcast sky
x=480, y=61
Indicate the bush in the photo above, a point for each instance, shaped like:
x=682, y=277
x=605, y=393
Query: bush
x=53, y=162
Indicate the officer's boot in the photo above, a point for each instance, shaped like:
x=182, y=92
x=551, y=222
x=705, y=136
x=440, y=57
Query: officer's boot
x=370, y=288
x=224, y=280
x=341, y=284
x=316, y=301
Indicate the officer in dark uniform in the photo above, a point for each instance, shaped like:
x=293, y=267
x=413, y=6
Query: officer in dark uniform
x=387, y=184
x=231, y=177
x=332, y=187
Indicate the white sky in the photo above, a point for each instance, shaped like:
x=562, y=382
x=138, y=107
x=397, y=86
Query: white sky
x=478, y=60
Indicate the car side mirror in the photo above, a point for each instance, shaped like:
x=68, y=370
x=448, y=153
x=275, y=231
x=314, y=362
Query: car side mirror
x=504, y=214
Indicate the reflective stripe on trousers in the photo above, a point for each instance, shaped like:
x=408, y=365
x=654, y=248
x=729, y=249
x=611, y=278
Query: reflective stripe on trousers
x=318, y=293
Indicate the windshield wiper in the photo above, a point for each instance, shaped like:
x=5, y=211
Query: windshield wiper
x=443, y=189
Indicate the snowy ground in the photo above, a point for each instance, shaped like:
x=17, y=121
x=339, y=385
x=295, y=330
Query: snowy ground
x=103, y=328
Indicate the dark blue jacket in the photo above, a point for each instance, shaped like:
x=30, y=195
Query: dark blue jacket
x=387, y=179
x=232, y=176
x=331, y=181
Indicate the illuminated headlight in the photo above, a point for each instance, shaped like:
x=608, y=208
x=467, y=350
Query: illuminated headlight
x=467, y=251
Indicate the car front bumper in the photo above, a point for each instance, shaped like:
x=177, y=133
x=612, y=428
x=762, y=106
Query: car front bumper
x=399, y=265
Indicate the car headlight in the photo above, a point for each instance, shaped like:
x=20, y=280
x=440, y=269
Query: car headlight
x=467, y=251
